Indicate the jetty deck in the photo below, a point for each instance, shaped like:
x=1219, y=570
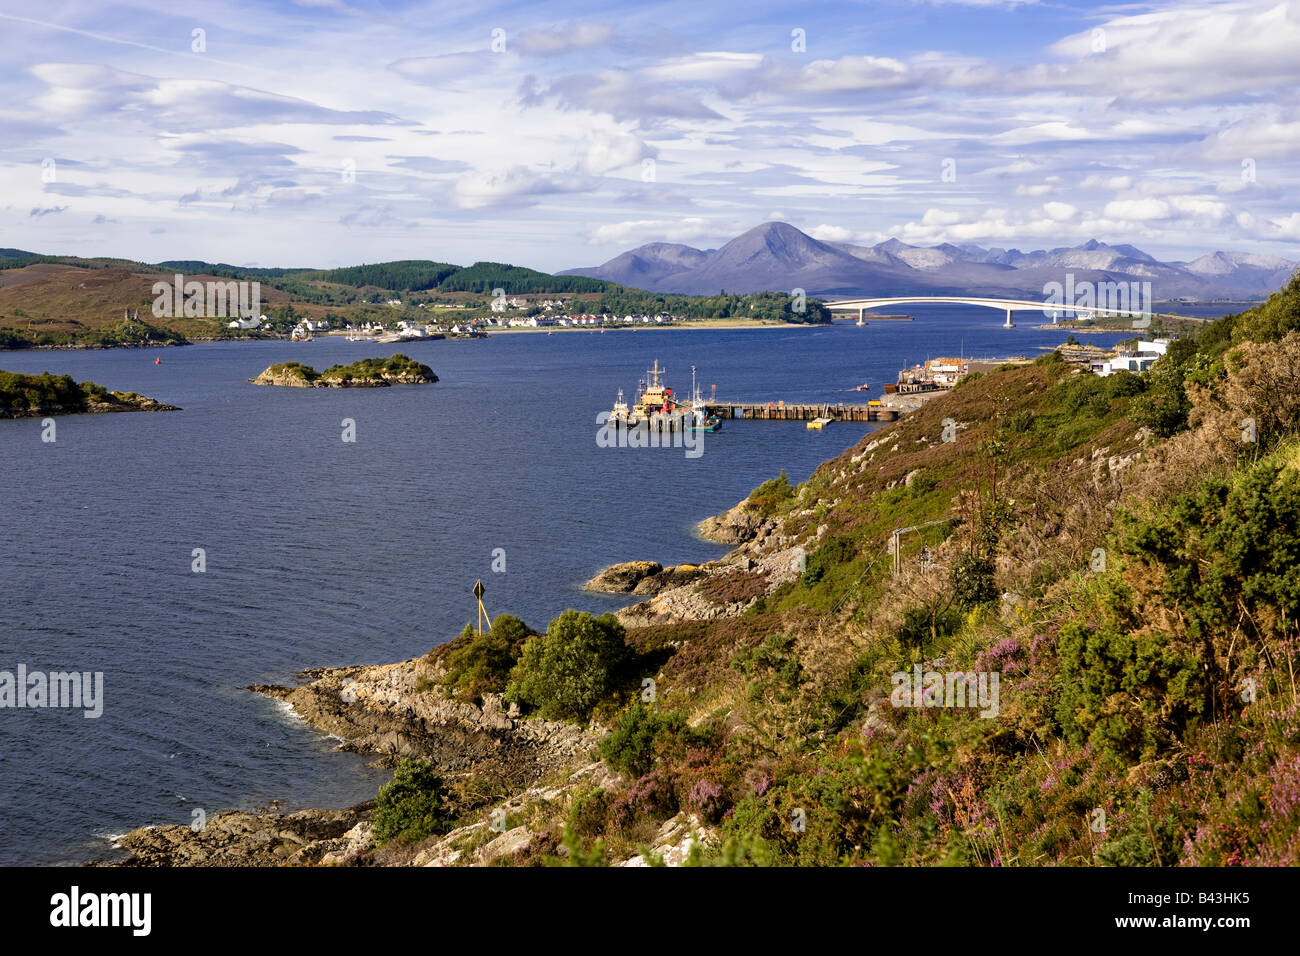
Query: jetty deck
x=778, y=411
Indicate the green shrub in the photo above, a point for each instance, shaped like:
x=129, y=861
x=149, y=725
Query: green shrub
x=590, y=813
x=1128, y=695
x=922, y=484
x=575, y=665
x=836, y=551
x=1020, y=421
x=1163, y=407
x=482, y=664
x=972, y=581
x=1124, y=384
x=643, y=735
x=411, y=806
x=924, y=625
x=576, y=855
x=768, y=497
x=778, y=486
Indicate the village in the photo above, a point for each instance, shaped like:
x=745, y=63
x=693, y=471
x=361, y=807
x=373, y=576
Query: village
x=543, y=314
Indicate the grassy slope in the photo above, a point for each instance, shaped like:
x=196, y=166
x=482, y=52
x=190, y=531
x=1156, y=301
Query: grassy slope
x=1142, y=622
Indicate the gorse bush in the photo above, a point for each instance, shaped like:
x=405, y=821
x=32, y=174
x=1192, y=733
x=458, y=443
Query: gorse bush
x=411, y=806
x=578, y=663
x=768, y=497
x=1128, y=695
x=643, y=735
x=1228, y=554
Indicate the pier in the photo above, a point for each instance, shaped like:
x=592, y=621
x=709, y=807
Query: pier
x=779, y=411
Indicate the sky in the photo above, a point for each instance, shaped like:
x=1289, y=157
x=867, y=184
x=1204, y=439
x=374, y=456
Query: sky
x=556, y=135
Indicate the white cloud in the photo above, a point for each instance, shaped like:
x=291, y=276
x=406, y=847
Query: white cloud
x=512, y=187
x=1111, y=183
x=610, y=151
x=1288, y=227
x=830, y=233
x=1137, y=209
x=580, y=36
x=635, y=232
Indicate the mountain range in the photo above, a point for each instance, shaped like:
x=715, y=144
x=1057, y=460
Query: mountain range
x=776, y=256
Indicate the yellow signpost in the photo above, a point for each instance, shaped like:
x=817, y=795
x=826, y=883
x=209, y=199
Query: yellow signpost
x=482, y=611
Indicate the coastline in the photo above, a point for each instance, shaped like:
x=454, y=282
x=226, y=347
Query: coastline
x=521, y=765
x=388, y=712
x=722, y=325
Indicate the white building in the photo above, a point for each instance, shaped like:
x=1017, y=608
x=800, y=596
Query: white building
x=1139, y=360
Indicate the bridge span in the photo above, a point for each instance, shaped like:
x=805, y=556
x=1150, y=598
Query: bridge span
x=1055, y=309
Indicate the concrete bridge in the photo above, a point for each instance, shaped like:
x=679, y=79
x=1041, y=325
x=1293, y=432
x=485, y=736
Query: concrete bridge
x=1054, y=309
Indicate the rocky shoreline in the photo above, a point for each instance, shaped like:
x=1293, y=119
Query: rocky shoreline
x=125, y=402
x=396, y=711
x=367, y=373
x=389, y=711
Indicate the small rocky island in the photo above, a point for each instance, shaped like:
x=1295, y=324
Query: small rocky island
x=36, y=396
x=367, y=373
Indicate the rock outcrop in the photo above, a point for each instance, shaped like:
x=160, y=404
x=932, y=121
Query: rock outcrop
x=736, y=525
x=393, y=711
x=675, y=840
x=367, y=373
x=643, y=577
x=263, y=838
x=398, y=710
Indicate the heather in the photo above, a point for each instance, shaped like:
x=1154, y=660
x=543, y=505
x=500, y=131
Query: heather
x=1123, y=552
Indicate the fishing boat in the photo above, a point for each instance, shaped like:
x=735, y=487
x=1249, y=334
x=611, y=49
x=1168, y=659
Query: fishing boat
x=621, y=416
x=819, y=423
x=864, y=387
x=655, y=397
x=655, y=404
x=701, y=420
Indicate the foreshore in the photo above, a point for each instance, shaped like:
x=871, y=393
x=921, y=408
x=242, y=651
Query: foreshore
x=504, y=761
x=704, y=326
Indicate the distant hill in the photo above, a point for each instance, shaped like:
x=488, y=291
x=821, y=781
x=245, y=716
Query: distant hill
x=646, y=265
x=776, y=256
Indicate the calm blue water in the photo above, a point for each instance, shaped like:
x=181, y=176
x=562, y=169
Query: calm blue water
x=325, y=553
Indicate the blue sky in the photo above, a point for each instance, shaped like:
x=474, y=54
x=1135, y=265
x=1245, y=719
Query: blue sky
x=324, y=132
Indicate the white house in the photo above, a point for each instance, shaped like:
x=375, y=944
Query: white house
x=1140, y=360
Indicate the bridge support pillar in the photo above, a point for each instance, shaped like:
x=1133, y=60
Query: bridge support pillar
x=1009, y=324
